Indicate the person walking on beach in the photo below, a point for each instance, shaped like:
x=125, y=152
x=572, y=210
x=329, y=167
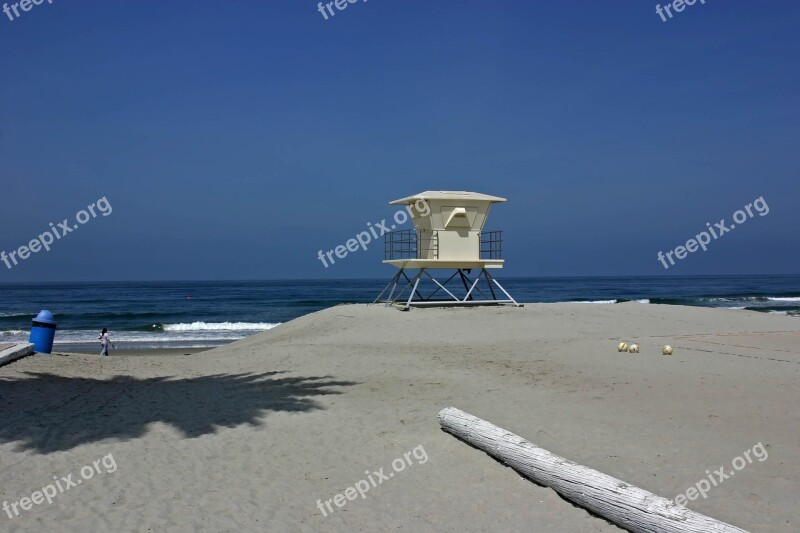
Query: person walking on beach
x=105, y=341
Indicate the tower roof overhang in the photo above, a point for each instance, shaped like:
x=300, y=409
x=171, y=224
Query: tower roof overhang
x=447, y=195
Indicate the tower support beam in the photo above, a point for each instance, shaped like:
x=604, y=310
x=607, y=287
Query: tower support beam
x=472, y=286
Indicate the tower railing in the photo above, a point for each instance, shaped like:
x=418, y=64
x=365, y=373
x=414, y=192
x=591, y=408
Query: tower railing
x=491, y=244
x=411, y=244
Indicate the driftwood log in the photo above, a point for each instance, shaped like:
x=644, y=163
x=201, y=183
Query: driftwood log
x=623, y=504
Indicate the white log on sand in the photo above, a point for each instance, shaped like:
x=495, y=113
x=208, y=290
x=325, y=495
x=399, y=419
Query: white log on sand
x=623, y=504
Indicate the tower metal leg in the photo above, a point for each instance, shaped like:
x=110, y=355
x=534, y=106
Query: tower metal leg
x=416, y=298
x=504, y=291
x=489, y=283
x=416, y=283
x=393, y=281
x=442, y=286
x=477, y=279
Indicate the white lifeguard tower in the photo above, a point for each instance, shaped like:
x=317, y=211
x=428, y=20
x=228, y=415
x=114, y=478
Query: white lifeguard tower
x=448, y=234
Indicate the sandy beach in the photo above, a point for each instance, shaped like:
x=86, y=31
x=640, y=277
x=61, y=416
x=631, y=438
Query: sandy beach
x=248, y=437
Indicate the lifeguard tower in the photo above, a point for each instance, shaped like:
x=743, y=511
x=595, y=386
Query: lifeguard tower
x=448, y=235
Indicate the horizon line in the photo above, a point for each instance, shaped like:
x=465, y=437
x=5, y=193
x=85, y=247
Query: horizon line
x=253, y=280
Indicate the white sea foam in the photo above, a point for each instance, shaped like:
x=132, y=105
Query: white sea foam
x=734, y=299
x=644, y=301
x=221, y=326
x=11, y=332
x=173, y=335
x=596, y=302
x=787, y=299
x=161, y=339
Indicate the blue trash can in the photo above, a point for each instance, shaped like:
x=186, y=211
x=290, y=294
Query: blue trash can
x=43, y=332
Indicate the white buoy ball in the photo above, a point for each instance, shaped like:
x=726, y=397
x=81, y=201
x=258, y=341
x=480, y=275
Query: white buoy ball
x=633, y=348
x=666, y=350
x=623, y=347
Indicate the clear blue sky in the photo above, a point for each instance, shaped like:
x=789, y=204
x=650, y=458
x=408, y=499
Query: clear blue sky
x=236, y=139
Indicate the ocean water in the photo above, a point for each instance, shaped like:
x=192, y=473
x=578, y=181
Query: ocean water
x=204, y=314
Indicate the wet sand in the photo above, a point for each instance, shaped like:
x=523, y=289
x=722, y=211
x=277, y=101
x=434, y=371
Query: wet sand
x=136, y=352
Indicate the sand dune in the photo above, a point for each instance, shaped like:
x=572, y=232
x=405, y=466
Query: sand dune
x=250, y=436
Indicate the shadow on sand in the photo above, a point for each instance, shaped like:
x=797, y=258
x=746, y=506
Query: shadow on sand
x=48, y=413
